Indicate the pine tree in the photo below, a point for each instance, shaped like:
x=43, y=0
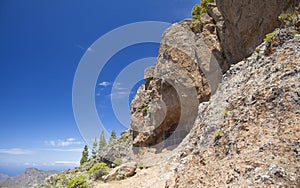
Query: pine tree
x=112, y=136
x=102, y=141
x=95, y=149
x=85, y=155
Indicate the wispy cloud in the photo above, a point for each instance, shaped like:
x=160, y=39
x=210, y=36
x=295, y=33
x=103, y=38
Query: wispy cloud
x=120, y=91
x=16, y=151
x=63, y=143
x=104, y=84
x=65, y=163
x=65, y=149
x=120, y=94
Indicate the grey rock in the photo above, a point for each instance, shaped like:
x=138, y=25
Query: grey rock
x=121, y=172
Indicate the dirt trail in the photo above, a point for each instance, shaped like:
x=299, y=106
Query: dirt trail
x=158, y=169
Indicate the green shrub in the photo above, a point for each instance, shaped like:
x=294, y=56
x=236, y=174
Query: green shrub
x=62, y=178
x=140, y=165
x=145, y=109
x=269, y=37
x=117, y=162
x=124, y=136
x=219, y=134
x=225, y=112
x=98, y=170
x=78, y=182
x=195, y=26
x=257, y=50
x=198, y=10
x=286, y=18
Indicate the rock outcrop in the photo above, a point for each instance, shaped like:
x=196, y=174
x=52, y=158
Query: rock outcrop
x=186, y=73
x=190, y=62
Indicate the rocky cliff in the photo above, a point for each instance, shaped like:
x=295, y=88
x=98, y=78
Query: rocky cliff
x=190, y=63
x=248, y=133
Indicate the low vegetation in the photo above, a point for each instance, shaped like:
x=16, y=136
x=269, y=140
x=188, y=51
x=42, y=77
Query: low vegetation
x=117, y=162
x=140, y=165
x=257, y=50
x=269, y=37
x=98, y=170
x=78, y=182
x=197, y=11
x=145, y=109
x=218, y=134
x=286, y=18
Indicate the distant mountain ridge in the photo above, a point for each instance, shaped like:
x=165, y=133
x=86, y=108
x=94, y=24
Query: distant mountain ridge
x=3, y=177
x=31, y=177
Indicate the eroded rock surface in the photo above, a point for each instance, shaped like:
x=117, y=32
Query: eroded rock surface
x=185, y=74
x=246, y=23
x=248, y=133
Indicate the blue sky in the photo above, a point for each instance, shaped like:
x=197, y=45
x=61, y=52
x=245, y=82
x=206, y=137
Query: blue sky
x=41, y=45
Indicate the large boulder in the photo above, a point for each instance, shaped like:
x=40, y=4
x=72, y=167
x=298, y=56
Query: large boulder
x=121, y=172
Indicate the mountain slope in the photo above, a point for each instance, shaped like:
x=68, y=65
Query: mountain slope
x=31, y=177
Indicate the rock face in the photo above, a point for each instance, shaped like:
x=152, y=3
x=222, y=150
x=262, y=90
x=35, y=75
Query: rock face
x=246, y=23
x=248, y=133
x=31, y=177
x=185, y=74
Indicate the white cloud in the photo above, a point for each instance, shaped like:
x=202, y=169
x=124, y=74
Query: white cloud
x=65, y=163
x=63, y=143
x=71, y=139
x=104, y=84
x=15, y=151
x=66, y=150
